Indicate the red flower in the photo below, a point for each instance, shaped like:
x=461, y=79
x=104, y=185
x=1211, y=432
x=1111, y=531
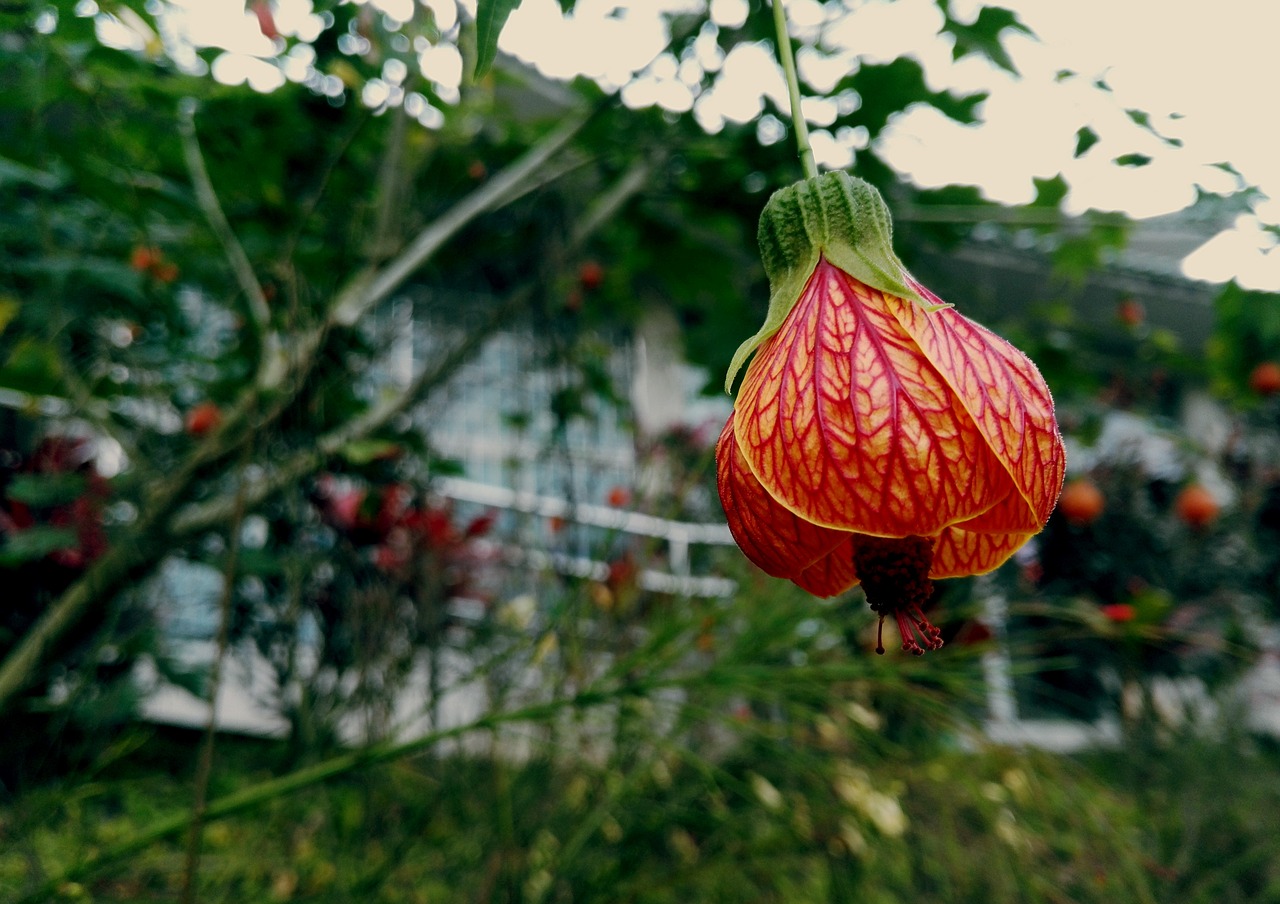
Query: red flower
x=878, y=436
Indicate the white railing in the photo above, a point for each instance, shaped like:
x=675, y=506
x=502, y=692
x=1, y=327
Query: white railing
x=679, y=535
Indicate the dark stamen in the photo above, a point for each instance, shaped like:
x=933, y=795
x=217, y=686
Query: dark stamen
x=895, y=578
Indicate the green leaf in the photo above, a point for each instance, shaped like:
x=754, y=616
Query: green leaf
x=363, y=451
x=35, y=543
x=983, y=36
x=891, y=88
x=1132, y=160
x=491, y=16
x=1050, y=192
x=8, y=310
x=45, y=489
x=33, y=367
x=1085, y=139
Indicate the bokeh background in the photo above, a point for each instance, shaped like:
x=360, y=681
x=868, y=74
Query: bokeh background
x=372, y=393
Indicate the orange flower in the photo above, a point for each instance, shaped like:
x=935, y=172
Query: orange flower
x=878, y=436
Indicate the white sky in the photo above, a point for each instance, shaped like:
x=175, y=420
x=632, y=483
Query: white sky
x=1213, y=65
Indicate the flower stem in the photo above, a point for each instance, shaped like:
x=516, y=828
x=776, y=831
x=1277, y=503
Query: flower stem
x=788, y=61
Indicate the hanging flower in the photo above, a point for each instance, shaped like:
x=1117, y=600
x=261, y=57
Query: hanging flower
x=878, y=436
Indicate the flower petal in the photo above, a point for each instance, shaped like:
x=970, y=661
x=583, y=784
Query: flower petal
x=819, y=559
x=848, y=425
x=1007, y=399
x=958, y=552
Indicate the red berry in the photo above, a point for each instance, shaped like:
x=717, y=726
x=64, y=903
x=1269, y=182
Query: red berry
x=203, y=418
x=1196, y=506
x=1119, y=612
x=591, y=275
x=619, y=497
x=1131, y=312
x=476, y=170
x=1081, y=502
x=1265, y=379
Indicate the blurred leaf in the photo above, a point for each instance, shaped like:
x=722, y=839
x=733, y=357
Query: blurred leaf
x=891, y=88
x=1142, y=119
x=34, y=367
x=1050, y=192
x=45, y=489
x=491, y=16
x=363, y=451
x=983, y=36
x=35, y=543
x=1134, y=159
x=12, y=171
x=8, y=310
x=1085, y=139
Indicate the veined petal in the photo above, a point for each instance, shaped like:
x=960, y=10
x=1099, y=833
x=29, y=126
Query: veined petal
x=1005, y=396
x=958, y=552
x=819, y=559
x=847, y=424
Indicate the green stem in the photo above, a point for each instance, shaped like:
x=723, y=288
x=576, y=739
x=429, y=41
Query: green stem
x=788, y=61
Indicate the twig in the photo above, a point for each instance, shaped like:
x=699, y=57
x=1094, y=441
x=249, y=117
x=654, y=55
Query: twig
x=204, y=766
x=207, y=199
x=368, y=289
x=202, y=516
x=133, y=549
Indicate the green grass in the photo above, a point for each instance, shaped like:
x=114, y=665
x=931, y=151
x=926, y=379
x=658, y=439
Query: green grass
x=786, y=816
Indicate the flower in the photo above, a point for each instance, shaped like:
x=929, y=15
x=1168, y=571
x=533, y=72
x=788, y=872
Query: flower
x=878, y=436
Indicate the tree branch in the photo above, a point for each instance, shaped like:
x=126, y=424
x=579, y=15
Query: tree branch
x=203, y=516
x=207, y=199
x=132, y=551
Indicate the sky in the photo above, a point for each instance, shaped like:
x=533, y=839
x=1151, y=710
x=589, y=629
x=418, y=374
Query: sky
x=1205, y=72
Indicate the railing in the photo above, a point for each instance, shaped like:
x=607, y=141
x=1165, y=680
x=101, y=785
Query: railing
x=679, y=536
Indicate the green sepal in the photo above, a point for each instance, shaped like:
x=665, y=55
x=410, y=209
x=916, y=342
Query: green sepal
x=836, y=216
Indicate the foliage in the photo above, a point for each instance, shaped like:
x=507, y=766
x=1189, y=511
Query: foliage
x=198, y=281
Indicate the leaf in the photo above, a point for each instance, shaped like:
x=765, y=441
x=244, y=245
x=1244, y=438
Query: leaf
x=890, y=88
x=983, y=36
x=1050, y=192
x=1132, y=160
x=45, y=489
x=35, y=543
x=34, y=367
x=1142, y=120
x=491, y=16
x=1085, y=139
x=8, y=310
x=363, y=451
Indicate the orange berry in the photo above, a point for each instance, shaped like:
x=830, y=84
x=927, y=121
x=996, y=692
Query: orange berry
x=1081, y=502
x=143, y=258
x=619, y=497
x=1196, y=506
x=1265, y=378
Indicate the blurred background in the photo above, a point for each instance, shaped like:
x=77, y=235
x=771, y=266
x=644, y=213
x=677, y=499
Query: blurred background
x=360, y=370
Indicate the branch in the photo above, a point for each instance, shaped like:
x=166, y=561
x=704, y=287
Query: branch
x=133, y=550
x=203, y=516
x=368, y=289
x=207, y=199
